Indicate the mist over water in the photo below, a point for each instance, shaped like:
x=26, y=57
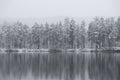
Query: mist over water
x=58, y=66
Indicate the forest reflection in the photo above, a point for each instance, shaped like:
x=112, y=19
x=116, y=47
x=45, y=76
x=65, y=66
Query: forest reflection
x=60, y=66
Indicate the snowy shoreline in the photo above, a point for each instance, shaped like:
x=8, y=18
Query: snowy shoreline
x=59, y=50
x=36, y=50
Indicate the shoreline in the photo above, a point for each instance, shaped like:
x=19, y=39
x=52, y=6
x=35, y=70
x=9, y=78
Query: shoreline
x=36, y=50
x=59, y=50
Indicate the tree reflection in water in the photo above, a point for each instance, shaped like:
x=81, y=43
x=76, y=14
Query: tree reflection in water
x=60, y=66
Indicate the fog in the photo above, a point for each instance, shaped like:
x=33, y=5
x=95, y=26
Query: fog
x=53, y=8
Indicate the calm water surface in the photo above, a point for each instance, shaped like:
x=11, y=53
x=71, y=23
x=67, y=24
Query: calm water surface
x=60, y=66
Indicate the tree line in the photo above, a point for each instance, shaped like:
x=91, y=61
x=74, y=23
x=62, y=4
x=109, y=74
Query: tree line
x=101, y=32
x=104, y=32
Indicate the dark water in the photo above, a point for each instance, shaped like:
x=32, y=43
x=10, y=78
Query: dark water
x=60, y=66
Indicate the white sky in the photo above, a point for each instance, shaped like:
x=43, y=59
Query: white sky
x=52, y=8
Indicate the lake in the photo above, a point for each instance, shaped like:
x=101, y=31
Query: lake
x=60, y=66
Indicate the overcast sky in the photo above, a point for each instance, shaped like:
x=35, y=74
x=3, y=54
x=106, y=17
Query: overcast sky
x=53, y=8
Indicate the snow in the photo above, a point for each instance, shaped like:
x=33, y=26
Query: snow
x=47, y=50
